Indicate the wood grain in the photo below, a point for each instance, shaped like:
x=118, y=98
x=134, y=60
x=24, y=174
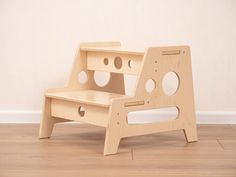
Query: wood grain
x=153, y=64
x=75, y=150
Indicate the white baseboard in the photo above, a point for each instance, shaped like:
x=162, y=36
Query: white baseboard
x=203, y=117
x=16, y=116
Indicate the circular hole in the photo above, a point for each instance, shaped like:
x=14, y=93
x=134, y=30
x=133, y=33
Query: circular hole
x=105, y=61
x=82, y=77
x=170, y=83
x=81, y=111
x=101, y=78
x=118, y=62
x=150, y=85
x=131, y=63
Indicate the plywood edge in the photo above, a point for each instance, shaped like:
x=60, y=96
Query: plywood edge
x=51, y=95
x=100, y=44
x=118, y=50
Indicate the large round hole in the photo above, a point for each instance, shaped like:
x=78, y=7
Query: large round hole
x=105, y=61
x=131, y=63
x=101, y=78
x=170, y=83
x=150, y=85
x=118, y=62
x=82, y=77
x=81, y=111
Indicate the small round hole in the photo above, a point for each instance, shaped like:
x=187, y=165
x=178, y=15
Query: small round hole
x=105, y=61
x=101, y=78
x=131, y=63
x=150, y=85
x=82, y=77
x=81, y=111
x=118, y=62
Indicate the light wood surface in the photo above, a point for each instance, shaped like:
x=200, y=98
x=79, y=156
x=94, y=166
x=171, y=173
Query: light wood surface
x=152, y=64
x=93, y=97
x=75, y=150
x=95, y=61
x=114, y=49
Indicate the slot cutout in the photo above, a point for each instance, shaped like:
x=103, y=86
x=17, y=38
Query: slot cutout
x=171, y=52
x=153, y=115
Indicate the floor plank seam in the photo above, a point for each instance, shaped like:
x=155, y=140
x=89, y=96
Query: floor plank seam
x=132, y=154
x=232, y=128
x=220, y=144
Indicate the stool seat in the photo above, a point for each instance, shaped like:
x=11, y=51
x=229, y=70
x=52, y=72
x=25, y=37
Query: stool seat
x=92, y=97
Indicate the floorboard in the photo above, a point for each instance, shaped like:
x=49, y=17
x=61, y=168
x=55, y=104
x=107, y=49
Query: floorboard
x=76, y=150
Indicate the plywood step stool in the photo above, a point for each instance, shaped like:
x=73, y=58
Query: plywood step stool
x=108, y=106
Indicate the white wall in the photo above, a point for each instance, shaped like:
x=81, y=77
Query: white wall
x=38, y=39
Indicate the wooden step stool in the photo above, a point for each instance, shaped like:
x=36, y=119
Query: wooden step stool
x=108, y=106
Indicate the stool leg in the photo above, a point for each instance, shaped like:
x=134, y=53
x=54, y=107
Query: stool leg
x=190, y=128
x=191, y=133
x=47, y=122
x=111, y=142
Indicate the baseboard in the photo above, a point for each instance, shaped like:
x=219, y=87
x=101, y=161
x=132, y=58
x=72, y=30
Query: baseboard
x=16, y=116
x=203, y=117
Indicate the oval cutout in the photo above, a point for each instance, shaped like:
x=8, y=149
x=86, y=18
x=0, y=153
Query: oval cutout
x=81, y=111
x=131, y=64
x=170, y=83
x=152, y=115
x=101, y=78
x=118, y=62
x=82, y=77
x=106, y=61
x=150, y=85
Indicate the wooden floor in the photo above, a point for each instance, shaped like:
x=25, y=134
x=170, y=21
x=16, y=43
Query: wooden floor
x=76, y=150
